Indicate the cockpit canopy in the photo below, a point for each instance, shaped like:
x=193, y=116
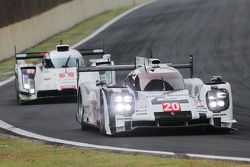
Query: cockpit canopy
x=156, y=81
x=62, y=59
x=60, y=62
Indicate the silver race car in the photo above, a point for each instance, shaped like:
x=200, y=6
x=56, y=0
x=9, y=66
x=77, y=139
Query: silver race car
x=153, y=95
x=54, y=76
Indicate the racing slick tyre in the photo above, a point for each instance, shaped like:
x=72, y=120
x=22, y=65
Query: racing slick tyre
x=81, y=112
x=102, y=119
x=20, y=101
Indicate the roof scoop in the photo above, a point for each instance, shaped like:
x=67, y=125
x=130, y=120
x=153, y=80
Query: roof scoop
x=154, y=63
x=62, y=48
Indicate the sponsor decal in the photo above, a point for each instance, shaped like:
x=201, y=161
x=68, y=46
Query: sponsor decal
x=156, y=102
x=68, y=87
x=68, y=74
x=171, y=107
x=141, y=105
x=31, y=71
x=217, y=115
x=47, y=79
x=199, y=104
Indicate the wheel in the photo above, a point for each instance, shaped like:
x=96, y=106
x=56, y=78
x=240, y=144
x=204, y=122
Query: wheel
x=20, y=101
x=102, y=119
x=17, y=90
x=80, y=112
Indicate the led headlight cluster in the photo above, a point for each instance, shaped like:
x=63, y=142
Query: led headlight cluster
x=28, y=80
x=122, y=103
x=217, y=100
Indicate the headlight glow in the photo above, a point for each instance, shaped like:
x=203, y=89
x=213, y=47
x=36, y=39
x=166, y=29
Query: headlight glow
x=127, y=107
x=211, y=98
x=217, y=100
x=119, y=107
x=122, y=103
x=127, y=99
x=32, y=91
x=221, y=103
x=118, y=99
x=221, y=95
x=26, y=86
x=28, y=76
x=213, y=104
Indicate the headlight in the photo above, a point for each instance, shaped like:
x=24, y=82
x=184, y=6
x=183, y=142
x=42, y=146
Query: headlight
x=28, y=76
x=122, y=103
x=26, y=86
x=217, y=100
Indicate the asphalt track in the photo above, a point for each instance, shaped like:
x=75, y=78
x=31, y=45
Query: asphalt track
x=216, y=32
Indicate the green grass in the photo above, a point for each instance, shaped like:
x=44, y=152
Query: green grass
x=15, y=152
x=71, y=36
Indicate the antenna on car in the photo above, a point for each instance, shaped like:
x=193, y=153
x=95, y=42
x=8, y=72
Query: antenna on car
x=103, y=46
x=191, y=61
x=61, y=42
x=145, y=65
x=15, y=52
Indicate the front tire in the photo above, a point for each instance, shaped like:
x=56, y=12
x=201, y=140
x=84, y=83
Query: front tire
x=81, y=112
x=102, y=119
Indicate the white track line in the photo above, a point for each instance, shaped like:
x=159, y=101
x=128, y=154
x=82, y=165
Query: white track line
x=24, y=133
x=7, y=81
x=94, y=34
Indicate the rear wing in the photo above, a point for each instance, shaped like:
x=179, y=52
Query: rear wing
x=21, y=56
x=133, y=67
x=89, y=52
x=106, y=68
x=189, y=65
x=142, y=61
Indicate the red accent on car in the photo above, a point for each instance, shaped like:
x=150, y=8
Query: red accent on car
x=171, y=107
x=42, y=54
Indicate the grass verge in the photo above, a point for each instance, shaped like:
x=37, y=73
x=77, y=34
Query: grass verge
x=16, y=152
x=71, y=36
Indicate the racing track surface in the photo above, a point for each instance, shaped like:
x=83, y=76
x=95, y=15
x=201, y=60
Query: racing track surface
x=216, y=32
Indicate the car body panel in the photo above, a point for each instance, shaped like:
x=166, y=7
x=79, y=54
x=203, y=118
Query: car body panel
x=160, y=98
x=47, y=80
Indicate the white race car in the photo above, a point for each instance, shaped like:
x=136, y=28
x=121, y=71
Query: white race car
x=55, y=76
x=153, y=95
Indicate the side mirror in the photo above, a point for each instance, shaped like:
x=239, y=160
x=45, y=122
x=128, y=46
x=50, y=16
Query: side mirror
x=101, y=83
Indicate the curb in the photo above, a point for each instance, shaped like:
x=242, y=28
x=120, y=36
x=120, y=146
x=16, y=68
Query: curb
x=24, y=133
x=28, y=134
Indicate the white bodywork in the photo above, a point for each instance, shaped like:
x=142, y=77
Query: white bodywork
x=192, y=105
x=49, y=78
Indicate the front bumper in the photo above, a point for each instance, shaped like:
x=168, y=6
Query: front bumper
x=168, y=120
x=56, y=93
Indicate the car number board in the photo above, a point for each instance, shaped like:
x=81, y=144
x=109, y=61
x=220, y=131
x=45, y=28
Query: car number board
x=171, y=107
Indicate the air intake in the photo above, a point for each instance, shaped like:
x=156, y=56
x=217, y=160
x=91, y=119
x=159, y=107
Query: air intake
x=62, y=48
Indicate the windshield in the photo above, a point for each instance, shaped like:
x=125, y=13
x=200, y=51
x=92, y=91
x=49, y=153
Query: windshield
x=60, y=62
x=160, y=81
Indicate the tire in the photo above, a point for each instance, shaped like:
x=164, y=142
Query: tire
x=20, y=101
x=102, y=120
x=81, y=109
